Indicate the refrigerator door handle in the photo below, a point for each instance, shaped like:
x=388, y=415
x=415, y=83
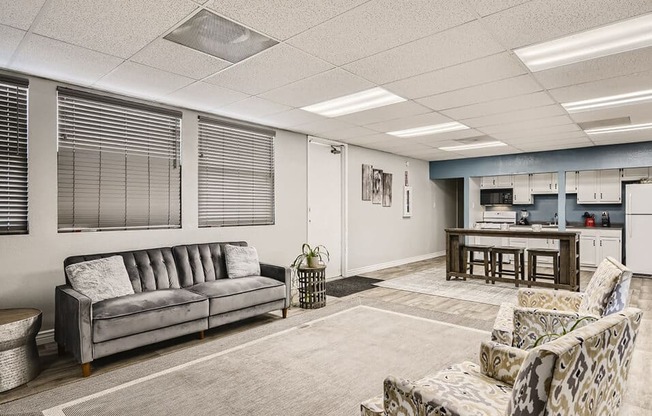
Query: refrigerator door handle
x=628, y=219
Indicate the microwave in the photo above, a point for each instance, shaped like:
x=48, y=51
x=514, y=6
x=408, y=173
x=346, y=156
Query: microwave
x=496, y=197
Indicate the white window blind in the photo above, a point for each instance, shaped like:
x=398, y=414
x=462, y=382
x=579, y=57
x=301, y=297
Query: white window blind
x=13, y=155
x=236, y=175
x=118, y=164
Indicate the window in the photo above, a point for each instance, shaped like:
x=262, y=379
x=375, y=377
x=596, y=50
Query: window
x=236, y=175
x=13, y=156
x=118, y=164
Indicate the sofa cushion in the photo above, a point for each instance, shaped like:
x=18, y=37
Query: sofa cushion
x=241, y=261
x=100, y=279
x=146, y=311
x=228, y=295
x=599, y=289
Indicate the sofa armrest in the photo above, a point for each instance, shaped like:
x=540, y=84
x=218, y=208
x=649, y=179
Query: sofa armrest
x=501, y=362
x=530, y=324
x=563, y=300
x=282, y=274
x=73, y=323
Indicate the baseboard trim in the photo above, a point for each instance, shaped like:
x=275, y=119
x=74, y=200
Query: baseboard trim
x=394, y=263
x=45, y=337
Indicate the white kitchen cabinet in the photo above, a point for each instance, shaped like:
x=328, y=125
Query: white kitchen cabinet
x=543, y=183
x=503, y=181
x=599, y=187
x=571, y=182
x=598, y=243
x=610, y=187
x=635, y=174
x=488, y=182
x=588, y=250
x=522, y=194
x=610, y=247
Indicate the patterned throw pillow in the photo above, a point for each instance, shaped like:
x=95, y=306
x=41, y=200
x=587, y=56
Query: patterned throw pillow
x=241, y=261
x=599, y=290
x=100, y=279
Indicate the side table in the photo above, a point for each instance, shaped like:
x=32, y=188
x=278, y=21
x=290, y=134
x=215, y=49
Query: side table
x=19, y=360
x=312, y=287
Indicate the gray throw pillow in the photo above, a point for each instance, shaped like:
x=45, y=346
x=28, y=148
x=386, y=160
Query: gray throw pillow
x=241, y=261
x=100, y=279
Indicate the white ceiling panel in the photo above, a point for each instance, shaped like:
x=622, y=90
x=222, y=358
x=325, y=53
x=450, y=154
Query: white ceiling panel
x=58, y=60
x=603, y=88
x=639, y=113
x=388, y=112
x=625, y=137
x=119, y=30
x=451, y=136
x=205, y=97
x=9, y=40
x=172, y=57
x=281, y=19
x=131, y=77
x=487, y=7
x=510, y=87
x=368, y=140
x=540, y=133
x=253, y=107
x=322, y=126
x=275, y=67
x=409, y=122
x=321, y=87
x=489, y=151
x=500, y=106
x=292, y=118
x=451, y=47
x=528, y=125
x=541, y=20
x=520, y=115
x=550, y=138
x=566, y=144
x=19, y=13
x=379, y=25
x=350, y=133
x=480, y=71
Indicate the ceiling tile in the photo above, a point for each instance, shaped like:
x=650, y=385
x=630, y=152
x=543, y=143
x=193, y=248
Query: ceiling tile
x=539, y=133
x=500, y=106
x=372, y=28
x=368, y=140
x=510, y=87
x=409, y=122
x=253, y=107
x=625, y=137
x=541, y=20
x=480, y=71
x=610, y=66
x=166, y=55
x=548, y=138
x=9, y=40
x=487, y=7
x=451, y=136
x=102, y=26
x=275, y=67
x=519, y=115
x=141, y=80
x=640, y=113
x=321, y=87
x=529, y=125
x=489, y=151
x=322, y=126
x=603, y=88
x=204, y=97
x=349, y=133
x=19, y=14
x=451, y=47
x=564, y=144
x=292, y=118
x=61, y=61
x=388, y=112
x=281, y=18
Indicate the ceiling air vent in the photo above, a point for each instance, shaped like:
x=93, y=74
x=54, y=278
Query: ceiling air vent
x=217, y=36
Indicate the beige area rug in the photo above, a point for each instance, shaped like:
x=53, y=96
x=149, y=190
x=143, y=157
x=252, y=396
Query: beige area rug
x=324, y=362
x=433, y=282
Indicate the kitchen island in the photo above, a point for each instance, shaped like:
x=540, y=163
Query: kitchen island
x=569, y=254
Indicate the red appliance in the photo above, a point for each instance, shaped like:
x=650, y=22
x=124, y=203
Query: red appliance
x=589, y=222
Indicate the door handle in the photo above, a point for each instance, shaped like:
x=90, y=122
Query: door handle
x=593, y=243
x=601, y=195
x=595, y=196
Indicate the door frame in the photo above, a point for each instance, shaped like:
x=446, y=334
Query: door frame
x=345, y=192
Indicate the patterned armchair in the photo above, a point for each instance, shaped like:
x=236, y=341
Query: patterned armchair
x=582, y=373
x=546, y=311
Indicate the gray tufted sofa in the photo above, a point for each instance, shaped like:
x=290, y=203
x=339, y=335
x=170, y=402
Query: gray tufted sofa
x=178, y=290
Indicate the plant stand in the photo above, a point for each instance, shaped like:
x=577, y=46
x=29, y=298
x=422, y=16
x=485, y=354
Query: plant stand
x=312, y=287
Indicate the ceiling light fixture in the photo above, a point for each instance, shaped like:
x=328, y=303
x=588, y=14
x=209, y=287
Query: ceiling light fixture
x=609, y=102
x=472, y=146
x=353, y=103
x=426, y=130
x=619, y=129
x=595, y=43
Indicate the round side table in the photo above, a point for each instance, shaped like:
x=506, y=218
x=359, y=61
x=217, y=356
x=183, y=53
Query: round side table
x=312, y=287
x=19, y=360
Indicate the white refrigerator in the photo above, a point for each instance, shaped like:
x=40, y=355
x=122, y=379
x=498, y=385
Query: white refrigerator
x=638, y=227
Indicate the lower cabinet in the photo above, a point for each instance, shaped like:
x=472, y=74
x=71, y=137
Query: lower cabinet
x=598, y=243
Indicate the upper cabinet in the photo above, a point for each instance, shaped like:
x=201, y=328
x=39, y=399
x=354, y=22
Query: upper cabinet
x=571, y=182
x=522, y=194
x=489, y=182
x=543, y=183
x=635, y=174
x=599, y=187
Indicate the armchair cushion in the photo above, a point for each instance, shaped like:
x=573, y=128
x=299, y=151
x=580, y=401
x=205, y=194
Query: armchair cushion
x=531, y=389
x=550, y=299
x=599, y=289
x=501, y=362
x=530, y=324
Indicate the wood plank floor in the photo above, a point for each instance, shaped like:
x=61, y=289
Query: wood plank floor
x=62, y=370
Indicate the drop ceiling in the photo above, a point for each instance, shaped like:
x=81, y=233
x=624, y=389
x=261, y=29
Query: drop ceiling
x=452, y=61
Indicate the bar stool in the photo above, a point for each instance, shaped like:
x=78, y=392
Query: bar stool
x=486, y=261
x=532, y=257
x=519, y=263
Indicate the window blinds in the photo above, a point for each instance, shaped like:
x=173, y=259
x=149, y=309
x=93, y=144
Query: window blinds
x=13, y=156
x=118, y=164
x=236, y=175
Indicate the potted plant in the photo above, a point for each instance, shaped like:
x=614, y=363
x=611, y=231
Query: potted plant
x=311, y=256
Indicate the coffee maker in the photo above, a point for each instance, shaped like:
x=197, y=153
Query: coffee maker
x=606, y=221
x=523, y=217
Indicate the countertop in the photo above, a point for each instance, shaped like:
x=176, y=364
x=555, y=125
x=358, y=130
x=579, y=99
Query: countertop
x=614, y=226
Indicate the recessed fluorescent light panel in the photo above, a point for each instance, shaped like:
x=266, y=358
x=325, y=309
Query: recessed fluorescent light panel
x=619, y=129
x=595, y=43
x=426, y=130
x=217, y=36
x=472, y=146
x=353, y=103
x=609, y=102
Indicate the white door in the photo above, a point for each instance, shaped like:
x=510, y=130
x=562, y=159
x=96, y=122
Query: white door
x=639, y=229
x=505, y=181
x=588, y=251
x=325, y=202
x=586, y=184
x=610, y=247
x=522, y=194
x=639, y=199
x=610, y=188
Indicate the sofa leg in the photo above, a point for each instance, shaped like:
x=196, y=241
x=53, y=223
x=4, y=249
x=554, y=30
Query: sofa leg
x=61, y=350
x=285, y=313
x=201, y=335
x=86, y=369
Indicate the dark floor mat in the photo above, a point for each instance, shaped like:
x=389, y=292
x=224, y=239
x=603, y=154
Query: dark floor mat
x=350, y=285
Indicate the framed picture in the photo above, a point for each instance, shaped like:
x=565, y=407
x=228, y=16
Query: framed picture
x=377, y=186
x=407, y=202
x=387, y=189
x=367, y=178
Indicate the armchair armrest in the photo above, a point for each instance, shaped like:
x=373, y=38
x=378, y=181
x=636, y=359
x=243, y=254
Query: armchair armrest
x=73, y=323
x=399, y=398
x=563, y=300
x=530, y=324
x=503, y=330
x=282, y=274
x=501, y=362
